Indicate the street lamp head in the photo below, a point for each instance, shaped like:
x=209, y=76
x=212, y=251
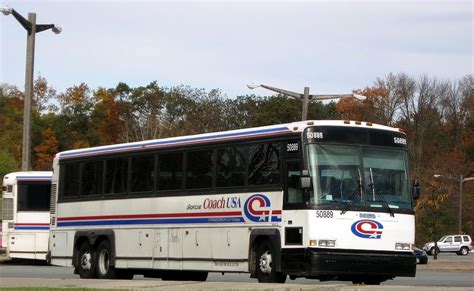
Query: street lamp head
x=6, y=10
x=253, y=86
x=57, y=29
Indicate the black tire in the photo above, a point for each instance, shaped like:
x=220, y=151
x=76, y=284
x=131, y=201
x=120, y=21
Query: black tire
x=464, y=251
x=86, y=262
x=266, y=272
x=103, y=261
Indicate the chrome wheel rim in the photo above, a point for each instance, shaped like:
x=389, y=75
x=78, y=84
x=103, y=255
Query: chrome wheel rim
x=265, y=262
x=86, y=261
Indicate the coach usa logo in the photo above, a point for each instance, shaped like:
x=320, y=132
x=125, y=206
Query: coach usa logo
x=257, y=208
x=367, y=228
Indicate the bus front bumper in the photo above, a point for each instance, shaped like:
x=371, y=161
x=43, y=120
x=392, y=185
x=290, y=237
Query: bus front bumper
x=347, y=264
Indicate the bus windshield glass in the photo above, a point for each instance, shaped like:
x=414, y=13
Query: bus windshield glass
x=366, y=177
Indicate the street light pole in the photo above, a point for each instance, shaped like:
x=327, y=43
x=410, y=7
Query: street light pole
x=461, y=180
x=30, y=60
x=305, y=97
x=31, y=28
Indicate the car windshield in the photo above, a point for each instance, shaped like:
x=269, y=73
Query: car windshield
x=366, y=177
x=442, y=239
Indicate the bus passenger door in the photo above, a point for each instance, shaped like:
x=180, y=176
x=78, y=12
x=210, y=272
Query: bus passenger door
x=293, y=219
x=160, y=251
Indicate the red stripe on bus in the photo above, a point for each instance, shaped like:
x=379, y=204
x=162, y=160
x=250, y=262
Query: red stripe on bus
x=23, y=224
x=195, y=214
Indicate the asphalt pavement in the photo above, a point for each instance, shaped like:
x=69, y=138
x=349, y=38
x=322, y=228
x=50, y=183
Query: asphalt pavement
x=448, y=272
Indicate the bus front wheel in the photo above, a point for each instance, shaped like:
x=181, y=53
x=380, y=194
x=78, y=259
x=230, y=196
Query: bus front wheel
x=266, y=272
x=86, y=265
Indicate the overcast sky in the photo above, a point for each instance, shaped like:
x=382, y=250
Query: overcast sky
x=330, y=46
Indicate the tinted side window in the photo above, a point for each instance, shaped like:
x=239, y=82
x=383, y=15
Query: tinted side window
x=264, y=164
x=466, y=238
x=71, y=179
x=143, y=174
x=34, y=196
x=92, y=173
x=294, y=193
x=449, y=239
x=230, y=167
x=457, y=239
x=171, y=171
x=116, y=173
x=199, y=169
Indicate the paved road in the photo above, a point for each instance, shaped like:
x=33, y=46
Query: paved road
x=448, y=271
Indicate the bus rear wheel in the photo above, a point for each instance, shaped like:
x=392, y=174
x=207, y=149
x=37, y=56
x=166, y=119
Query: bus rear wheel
x=104, y=268
x=266, y=272
x=86, y=265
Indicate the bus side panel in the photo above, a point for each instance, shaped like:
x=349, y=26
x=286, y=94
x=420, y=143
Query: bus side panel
x=61, y=248
x=230, y=249
x=138, y=240
x=197, y=249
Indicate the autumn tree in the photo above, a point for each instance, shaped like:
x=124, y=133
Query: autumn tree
x=45, y=151
x=75, y=118
x=106, y=114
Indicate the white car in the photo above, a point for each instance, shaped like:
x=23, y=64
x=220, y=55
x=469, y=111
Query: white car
x=460, y=244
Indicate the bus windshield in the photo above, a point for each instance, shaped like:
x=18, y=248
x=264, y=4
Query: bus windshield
x=367, y=177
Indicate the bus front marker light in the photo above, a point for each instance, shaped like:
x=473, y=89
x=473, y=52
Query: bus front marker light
x=402, y=246
x=327, y=243
x=313, y=243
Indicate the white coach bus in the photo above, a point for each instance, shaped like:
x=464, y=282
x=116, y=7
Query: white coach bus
x=315, y=199
x=25, y=214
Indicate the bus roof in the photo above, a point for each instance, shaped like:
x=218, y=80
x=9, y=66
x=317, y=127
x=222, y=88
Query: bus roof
x=272, y=130
x=28, y=176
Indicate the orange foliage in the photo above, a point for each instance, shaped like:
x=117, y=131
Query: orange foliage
x=110, y=125
x=46, y=150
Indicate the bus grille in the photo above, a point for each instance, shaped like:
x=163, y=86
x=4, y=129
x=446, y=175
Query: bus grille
x=52, y=202
x=7, y=209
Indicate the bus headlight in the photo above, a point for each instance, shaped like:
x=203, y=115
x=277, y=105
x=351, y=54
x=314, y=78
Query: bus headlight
x=327, y=243
x=402, y=246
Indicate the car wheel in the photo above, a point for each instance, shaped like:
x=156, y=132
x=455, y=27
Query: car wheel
x=464, y=251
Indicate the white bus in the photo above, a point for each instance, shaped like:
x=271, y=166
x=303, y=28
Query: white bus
x=25, y=214
x=315, y=199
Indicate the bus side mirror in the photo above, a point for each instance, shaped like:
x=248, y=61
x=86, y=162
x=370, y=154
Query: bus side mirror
x=416, y=189
x=305, y=180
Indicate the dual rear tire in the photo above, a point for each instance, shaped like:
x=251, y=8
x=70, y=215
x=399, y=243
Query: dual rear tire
x=96, y=263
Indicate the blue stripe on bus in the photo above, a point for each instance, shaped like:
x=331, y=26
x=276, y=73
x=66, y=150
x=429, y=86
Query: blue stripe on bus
x=152, y=221
x=175, y=141
x=32, y=228
x=276, y=219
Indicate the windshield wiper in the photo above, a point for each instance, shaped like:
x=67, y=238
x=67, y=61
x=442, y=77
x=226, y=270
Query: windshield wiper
x=372, y=187
x=357, y=190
